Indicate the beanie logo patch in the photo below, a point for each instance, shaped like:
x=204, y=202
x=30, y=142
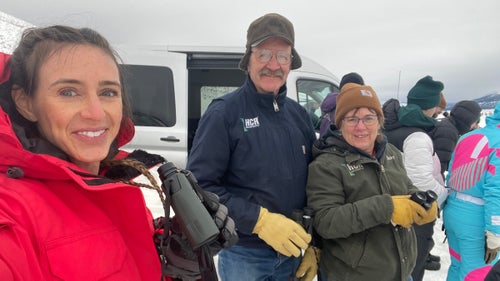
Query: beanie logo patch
x=250, y=123
x=366, y=93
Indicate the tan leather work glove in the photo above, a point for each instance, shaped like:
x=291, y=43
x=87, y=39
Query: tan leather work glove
x=405, y=210
x=492, y=247
x=430, y=215
x=283, y=234
x=308, y=267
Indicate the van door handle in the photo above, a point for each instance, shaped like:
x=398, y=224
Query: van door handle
x=170, y=139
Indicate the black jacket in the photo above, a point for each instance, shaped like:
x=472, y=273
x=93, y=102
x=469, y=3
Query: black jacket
x=444, y=137
x=446, y=132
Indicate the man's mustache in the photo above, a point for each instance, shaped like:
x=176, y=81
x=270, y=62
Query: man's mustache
x=278, y=73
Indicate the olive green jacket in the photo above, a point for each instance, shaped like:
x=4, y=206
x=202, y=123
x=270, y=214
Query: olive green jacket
x=350, y=192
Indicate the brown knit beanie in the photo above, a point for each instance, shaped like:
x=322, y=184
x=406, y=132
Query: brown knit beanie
x=353, y=96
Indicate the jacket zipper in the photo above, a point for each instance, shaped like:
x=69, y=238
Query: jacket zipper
x=275, y=105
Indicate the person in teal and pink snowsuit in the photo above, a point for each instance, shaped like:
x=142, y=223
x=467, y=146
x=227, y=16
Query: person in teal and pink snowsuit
x=472, y=210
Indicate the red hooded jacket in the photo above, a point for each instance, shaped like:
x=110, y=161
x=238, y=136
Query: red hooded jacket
x=57, y=222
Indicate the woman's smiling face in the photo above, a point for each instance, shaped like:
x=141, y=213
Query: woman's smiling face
x=77, y=103
x=363, y=133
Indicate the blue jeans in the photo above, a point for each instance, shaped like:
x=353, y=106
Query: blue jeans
x=254, y=264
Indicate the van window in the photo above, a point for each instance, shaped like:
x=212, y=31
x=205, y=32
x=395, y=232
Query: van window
x=310, y=95
x=208, y=93
x=206, y=84
x=151, y=93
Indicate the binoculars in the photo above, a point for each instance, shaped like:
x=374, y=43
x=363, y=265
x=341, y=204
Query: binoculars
x=424, y=198
x=195, y=221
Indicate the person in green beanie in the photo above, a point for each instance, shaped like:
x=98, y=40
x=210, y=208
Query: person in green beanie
x=407, y=127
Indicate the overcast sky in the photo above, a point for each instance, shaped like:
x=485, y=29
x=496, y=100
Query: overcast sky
x=391, y=43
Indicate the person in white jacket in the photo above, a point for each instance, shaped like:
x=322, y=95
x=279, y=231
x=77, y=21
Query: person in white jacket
x=407, y=128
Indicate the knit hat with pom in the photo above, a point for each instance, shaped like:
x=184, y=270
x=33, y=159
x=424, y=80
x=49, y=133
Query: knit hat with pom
x=426, y=93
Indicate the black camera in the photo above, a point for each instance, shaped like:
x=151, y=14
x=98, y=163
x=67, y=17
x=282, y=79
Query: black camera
x=194, y=220
x=304, y=217
x=424, y=198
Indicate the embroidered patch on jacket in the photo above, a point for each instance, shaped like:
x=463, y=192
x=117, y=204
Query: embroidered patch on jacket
x=353, y=168
x=250, y=123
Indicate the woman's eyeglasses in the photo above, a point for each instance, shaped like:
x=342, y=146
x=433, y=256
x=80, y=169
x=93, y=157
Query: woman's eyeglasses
x=368, y=120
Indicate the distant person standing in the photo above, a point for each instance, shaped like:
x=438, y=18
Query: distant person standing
x=407, y=128
x=464, y=117
x=472, y=211
x=252, y=148
x=330, y=103
x=434, y=262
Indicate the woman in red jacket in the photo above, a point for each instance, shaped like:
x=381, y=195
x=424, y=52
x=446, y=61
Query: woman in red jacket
x=63, y=115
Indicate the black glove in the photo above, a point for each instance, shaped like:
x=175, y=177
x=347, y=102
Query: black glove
x=227, y=236
x=180, y=260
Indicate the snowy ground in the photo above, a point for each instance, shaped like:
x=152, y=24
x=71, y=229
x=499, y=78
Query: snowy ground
x=440, y=249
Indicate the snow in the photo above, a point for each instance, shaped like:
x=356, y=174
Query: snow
x=440, y=249
x=10, y=32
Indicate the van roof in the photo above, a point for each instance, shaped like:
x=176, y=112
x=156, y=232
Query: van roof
x=207, y=52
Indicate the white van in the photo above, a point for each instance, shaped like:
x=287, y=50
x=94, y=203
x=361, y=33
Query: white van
x=171, y=87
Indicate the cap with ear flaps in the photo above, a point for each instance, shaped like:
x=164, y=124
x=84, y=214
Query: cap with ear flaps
x=268, y=26
x=353, y=96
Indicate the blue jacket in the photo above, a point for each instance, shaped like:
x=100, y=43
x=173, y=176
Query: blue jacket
x=252, y=155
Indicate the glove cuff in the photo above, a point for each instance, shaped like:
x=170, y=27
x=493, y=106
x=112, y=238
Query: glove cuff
x=260, y=220
x=492, y=240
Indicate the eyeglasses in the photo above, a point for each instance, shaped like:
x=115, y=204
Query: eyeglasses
x=265, y=55
x=368, y=120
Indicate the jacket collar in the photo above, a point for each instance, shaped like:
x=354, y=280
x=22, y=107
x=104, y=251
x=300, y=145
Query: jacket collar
x=412, y=116
x=266, y=99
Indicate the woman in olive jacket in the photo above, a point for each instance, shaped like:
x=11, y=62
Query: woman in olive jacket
x=360, y=192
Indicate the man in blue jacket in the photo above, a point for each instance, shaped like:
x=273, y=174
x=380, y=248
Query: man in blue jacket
x=252, y=148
